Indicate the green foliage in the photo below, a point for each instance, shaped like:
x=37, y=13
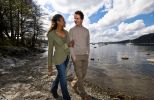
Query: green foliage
x=20, y=22
x=5, y=42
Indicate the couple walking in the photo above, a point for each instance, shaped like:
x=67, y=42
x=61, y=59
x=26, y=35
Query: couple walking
x=74, y=43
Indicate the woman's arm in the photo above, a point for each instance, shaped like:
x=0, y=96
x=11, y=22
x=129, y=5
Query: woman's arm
x=50, y=52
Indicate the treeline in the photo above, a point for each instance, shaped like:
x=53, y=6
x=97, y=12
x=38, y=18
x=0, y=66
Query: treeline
x=20, y=23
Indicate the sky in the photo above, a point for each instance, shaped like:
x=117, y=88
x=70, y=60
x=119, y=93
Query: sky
x=107, y=20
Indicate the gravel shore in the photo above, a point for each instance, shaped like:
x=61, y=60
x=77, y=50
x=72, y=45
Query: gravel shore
x=27, y=79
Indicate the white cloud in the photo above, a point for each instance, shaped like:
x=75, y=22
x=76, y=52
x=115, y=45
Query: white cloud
x=111, y=24
x=69, y=6
x=140, y=7
x=124, y=9
x=147, y=30
x=124, y=27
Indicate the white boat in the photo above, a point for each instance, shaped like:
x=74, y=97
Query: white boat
x=151, y=60
x=130, y=43
x=125, y=57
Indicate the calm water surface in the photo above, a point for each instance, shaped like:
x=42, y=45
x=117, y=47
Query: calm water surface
x=134, y=76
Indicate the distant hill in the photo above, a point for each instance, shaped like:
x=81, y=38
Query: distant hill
x=144, y=39
x=148, y=38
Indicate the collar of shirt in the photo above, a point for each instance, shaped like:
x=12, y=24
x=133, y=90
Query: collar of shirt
x=79, y=26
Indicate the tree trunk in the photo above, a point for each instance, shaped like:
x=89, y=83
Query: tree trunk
x=34, y=35
x=18, y=27
x=11, y=20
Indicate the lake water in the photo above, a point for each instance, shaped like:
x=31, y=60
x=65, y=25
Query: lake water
x=134, y=76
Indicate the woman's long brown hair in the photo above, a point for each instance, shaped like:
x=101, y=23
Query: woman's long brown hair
x=54, y=20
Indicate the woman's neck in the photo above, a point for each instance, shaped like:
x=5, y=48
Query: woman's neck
x=59, y=29
x=60, y=32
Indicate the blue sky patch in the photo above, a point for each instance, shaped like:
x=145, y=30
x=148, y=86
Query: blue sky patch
x=147, y=18
x=96, y=16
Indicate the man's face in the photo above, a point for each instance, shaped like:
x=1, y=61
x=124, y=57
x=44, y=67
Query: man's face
x=77, y=20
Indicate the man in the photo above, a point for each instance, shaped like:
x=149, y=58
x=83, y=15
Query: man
x=80, y=51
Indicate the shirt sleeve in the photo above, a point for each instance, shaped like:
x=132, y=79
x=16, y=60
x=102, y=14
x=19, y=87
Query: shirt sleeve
x=50, y=49
x=70, y=35
x=88, y=42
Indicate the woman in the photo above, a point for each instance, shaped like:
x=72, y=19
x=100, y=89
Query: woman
x=58, y=38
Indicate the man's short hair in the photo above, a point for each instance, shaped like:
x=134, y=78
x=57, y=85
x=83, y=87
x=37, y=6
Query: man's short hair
x=80, y=13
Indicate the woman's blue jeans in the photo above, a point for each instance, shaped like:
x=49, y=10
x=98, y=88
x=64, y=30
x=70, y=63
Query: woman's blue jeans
x=61, y=77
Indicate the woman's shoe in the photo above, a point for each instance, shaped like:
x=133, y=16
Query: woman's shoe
x=55, y=95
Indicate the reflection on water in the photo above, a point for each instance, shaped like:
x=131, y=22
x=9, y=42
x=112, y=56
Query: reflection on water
x=134, y=76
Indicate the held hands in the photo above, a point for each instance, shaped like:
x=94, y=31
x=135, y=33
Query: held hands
x=72, y=54
x=71, y=43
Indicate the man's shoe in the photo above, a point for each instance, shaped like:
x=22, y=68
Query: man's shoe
x=86, y=97
x=74, y=87
x=75, y=90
